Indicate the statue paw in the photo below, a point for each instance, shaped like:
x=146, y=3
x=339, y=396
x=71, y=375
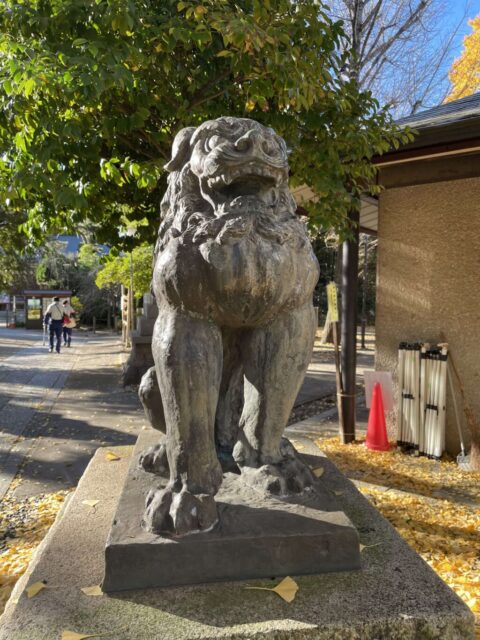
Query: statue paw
x=179, y=513
x=287, y=477
x=154, y=460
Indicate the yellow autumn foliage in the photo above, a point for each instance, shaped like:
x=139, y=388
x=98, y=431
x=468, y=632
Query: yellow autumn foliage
x=465, y=72
x=23, y=525
x=434, y=505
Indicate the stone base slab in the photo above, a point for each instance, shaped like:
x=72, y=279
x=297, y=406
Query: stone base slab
x=396, y=596
x=256, y=536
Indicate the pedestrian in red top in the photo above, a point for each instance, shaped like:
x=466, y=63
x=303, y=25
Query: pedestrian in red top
x=68, y=323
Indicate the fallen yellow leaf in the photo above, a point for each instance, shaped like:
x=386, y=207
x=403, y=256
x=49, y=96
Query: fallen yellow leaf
x=73, y=635
x=111, y=456
x=96, y=590
x=318, y=472
x=286, y=589
x=35, y=588
x=474, y=604
x=368, y=546
x=419, y=496
x=90, y=503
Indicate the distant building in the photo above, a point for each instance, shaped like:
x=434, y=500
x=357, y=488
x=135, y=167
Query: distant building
x=36, y=302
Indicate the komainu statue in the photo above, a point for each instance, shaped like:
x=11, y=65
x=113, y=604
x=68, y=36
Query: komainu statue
x=233, y=278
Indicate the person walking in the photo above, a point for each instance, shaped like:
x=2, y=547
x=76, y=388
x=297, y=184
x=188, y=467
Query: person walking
x=54, y=319
x=68, y=323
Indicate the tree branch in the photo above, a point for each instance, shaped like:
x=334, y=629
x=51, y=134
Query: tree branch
x=389, y=42
x=372, y=17
x=138, y=150
x=200, y=94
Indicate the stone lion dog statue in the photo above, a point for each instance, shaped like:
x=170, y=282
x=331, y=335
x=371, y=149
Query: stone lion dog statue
x=233, y=278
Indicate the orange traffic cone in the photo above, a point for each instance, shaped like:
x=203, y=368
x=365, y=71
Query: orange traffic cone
x=377, y=430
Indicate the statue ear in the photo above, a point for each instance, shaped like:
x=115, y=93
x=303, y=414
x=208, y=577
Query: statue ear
x=180, y=149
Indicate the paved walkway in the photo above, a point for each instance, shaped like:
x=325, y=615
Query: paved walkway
x=57, y=409
x=320, y=379
x=11, y=340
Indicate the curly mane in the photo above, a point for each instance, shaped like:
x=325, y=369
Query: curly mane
x=186, y=214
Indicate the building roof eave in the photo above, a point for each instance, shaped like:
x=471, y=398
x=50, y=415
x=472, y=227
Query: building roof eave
x=449, y=129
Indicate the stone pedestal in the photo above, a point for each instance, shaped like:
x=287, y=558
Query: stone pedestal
x=141, y=358
x=395, y=595
x=257, y=536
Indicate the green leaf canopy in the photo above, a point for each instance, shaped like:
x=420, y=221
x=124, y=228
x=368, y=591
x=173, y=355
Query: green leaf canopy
x=92, y=93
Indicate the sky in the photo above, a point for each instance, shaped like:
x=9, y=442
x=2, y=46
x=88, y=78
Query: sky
x=455, y=14
x=453, y=17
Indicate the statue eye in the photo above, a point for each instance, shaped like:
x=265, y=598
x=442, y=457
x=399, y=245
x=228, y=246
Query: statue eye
x=212, y=142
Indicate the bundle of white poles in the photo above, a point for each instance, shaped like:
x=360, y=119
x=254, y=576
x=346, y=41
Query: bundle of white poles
x=422, y=394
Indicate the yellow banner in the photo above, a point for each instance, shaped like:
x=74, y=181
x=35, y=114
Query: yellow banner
x=332, y=299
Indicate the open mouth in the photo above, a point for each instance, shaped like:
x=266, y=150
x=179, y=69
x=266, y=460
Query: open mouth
x=255, y=181
x=251, y=172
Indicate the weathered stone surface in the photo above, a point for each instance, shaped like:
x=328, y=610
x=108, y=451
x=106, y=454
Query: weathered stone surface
x=233, y=279
x=141, y=357
x=257, y=536
x=139, y=360
x=395, y=596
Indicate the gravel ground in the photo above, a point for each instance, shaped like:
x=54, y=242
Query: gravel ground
x=23, y=525
x=309, y=409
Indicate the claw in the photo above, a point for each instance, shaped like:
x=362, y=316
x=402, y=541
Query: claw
x=154, y=460
x=179, y=513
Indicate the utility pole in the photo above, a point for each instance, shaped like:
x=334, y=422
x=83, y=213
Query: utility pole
x=348, y=322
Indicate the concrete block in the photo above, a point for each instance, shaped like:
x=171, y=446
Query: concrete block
x=395, y=596
x=257, y=536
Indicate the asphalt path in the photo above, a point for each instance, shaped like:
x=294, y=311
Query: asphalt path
x=57, y=409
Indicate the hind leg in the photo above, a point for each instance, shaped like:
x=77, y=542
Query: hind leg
x=153, y=459
x=188, y=359
x=275, y=360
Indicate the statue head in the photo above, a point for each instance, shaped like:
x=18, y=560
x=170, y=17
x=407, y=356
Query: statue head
x=228, y=167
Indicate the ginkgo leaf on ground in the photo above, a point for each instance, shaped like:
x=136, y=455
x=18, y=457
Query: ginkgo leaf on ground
x=90, y=503
x=111, y=456
x=95, y=590
x=286, y=589
x=318, y=472
x=368, y=546
x=73, y=635
x=35, y=588
x=418, y=496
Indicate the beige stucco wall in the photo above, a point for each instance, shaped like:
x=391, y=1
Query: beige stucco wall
x=428, y=278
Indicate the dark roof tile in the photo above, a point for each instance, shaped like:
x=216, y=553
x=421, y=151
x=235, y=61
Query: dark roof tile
x=447, y=113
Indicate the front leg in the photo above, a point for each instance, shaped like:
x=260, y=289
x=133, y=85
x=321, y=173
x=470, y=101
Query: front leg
x=275, y=360
x=188, y=360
